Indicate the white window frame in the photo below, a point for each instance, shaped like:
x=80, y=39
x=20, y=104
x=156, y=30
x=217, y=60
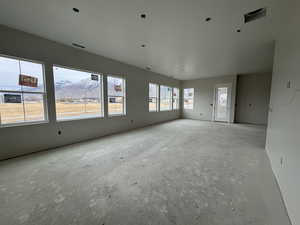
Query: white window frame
x=123, y=98
x=157, y=97
x=184, y=107
x=171, y=99
x=44, y=94
x=101, y=94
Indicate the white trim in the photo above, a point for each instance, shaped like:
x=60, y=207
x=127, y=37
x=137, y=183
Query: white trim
x=160, y=98
x=74, y=119
x=101, y=94
x=178, y=97
x=123, y=97
x=116, y=115
x=23, y=92
x=44, y=94
x=78, y=69
x=23, y=59
x=22, y=124
x=157, y=97
x=183, y=97
x=229, y=95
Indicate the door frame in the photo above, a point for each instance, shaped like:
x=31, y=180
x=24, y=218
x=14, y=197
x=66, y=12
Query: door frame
x=229, y=96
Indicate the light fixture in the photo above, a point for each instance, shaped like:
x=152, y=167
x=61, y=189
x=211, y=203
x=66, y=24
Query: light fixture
x=238, y=30
x=208, y=19
x=143, y=16
x=143, y=45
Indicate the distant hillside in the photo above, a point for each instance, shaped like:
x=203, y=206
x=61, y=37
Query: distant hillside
x=85, y=88
x=65, y=89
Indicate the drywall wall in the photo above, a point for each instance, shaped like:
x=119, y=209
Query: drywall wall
x=204, y=97
x=283, y=136
x=252, y=98
x=21, y=140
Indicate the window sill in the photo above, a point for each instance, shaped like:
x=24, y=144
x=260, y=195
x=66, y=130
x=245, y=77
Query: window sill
x=116, y=115
x=83, y=118
x=23, y=124
x=169, y=110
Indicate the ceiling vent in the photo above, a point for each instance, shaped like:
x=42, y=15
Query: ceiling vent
x=256, y=14
x=78, y=45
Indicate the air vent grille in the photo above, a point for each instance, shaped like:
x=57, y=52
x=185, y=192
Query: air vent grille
x=256, y=14
x=78, y=45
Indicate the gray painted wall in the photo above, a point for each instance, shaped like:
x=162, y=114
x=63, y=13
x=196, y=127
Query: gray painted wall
x=253, y=96
x=204, y=97
x=21, y=140
x=283, y=136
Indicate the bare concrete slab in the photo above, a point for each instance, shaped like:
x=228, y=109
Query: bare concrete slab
x=183, y=172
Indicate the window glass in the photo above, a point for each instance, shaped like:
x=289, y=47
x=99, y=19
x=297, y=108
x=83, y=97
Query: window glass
x=78, y=94
x=175, y=98
x=33, y=107
x=153, y=97
x=33, y=70
x=116, y=95
x=165, y=98
x=22, y=91
x=189, y=98
x=9, y=74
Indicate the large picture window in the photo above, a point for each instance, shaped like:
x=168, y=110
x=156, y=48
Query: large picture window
x=78, y=94
x=116, y=96
x=153, y=97
x=175, y=98
x=165, y=98
x=22, y=91
x=189, y=98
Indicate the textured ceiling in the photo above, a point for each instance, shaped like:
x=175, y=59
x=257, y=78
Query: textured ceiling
x=179, y=42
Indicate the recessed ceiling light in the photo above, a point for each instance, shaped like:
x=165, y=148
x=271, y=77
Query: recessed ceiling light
x=76, y=10
x=208, y=19
x=78, y=45
x=143, y=16
x=238, y=30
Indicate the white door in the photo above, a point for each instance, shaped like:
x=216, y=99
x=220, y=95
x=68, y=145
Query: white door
x=222, y=103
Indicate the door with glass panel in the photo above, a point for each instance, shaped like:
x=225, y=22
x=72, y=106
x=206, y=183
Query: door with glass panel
x=222, y=103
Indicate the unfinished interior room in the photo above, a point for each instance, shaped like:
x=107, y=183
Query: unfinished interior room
x=135, y=112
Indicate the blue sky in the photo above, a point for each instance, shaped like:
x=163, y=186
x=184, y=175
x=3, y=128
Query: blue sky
x=61, y=74
x=10, y=71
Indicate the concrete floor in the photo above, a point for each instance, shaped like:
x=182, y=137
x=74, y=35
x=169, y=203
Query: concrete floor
x=182, y=172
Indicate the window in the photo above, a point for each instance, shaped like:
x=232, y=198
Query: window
x=22, y=91
x=165, y=98
x=78, y=94
x=189, y=98
x=175, y=98
x=116, y=96
x=153, y=97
